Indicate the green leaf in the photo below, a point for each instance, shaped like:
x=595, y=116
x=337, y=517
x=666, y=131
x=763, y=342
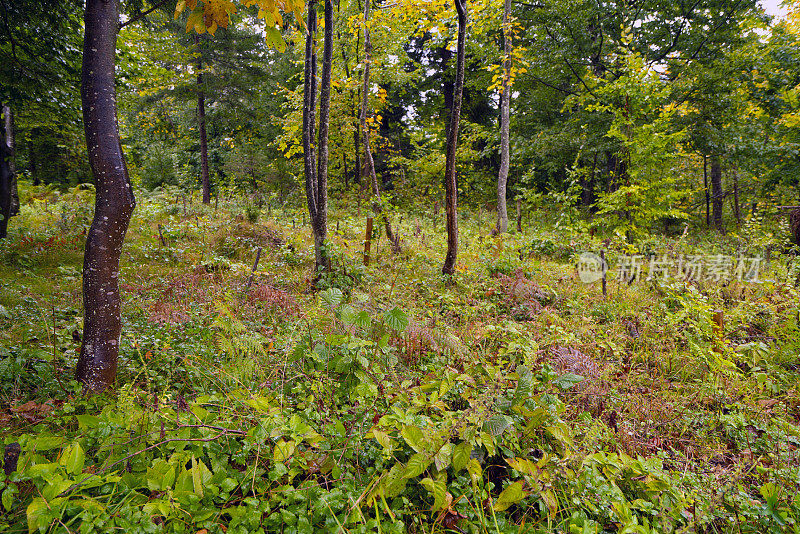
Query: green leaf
x=497, y=424
x=160, y=475
x=461, y=455
x=38, y=518
x=72, y=458
x=394, y=482
x=332, y=297
x=511, y=495
x=283, y=450
x=347, y=314
x=438, y=488
x=197, y=479
x=416, y=465
x=362, y=320
x=414, y=437
x=4, y=313
x=396, y=319
x=382, y=438
x=443, y=457
x=8, y=496
x=524, y=385
x=567, y=381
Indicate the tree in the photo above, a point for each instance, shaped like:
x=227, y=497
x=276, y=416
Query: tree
x=5, y=177
x=369, y=163
x=505, y=117
x=201, y=121
x=114, y=201
x=316, y=166
x=451, y=187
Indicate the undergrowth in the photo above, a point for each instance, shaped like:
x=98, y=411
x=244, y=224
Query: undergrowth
x=515, y=400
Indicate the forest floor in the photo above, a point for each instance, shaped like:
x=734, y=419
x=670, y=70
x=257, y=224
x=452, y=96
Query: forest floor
x=512, y=398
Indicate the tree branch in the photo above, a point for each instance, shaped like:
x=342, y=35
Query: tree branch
x=142, y=14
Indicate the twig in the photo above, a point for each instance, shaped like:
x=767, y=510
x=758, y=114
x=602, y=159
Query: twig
x=142, y=14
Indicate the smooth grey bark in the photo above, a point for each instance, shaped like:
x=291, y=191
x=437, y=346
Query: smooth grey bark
x=505, y=115
x=5, y=181
x=716, y=192
x=114, y=200
x=316, y=169
x=369, y=163
x=451, y=187
x=201, y=121
x=8, y=116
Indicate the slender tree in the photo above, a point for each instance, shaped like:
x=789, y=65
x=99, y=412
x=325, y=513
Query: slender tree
x=717, y=194
x=8, y=116
x=316, y=168
x=5, y=180
x=114, y=201
x=369, y=163
x=451, y=187
x=505, y=105
x=201, y=121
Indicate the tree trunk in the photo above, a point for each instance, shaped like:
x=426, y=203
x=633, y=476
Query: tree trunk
x=5, y=179
x=12, y=165
x=201, y=120
x=705, y=187
x=505, y=105
x=736, y=210
x=369, y=163
x=716, y=192
x=114, y=200
x=451, y=187
x=316, y=171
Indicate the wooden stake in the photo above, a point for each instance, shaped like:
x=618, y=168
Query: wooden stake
x=161, y=236
x=519, y=215
x=367, y=241
x=603, y=266
x=255, y=266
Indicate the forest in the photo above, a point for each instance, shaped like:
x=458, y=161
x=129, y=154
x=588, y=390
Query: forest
x=465, y=266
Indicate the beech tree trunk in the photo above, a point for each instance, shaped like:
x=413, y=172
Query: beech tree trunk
x=716, y=192
x=451, y=187
x=369, y=162
x=316, y=170
x=5, y=179
x=11, y=152
x=201, y=121
x=505, y=105
x=114, y=200
x=705, y=186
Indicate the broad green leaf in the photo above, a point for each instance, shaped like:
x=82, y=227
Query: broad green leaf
x=362, y=320
x=394, y=481
x=438, y=489
x=37, y=512
x=8, y=496
x=283, y=450
x=347, y=314
x=160, y=475
x=72, y=458
x=416, y=465
x=524, y=466
x=396, y=319
x=414, y=437
x=567, y=381
x=511, y=495
x=382, y=438
x=461, y=455
x=331, y=297
x=45, y=442
x=497, y=424
x=443, y=457
x=197, y=479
